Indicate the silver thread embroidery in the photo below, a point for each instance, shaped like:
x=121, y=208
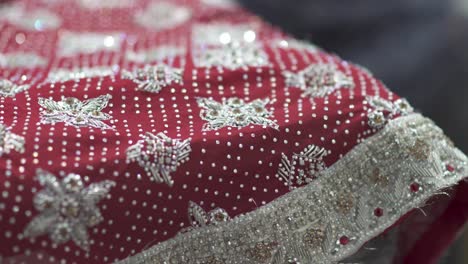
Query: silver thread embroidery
x=199, y=217
x=382, y=110
x=318, y=80
x=302, y=168
x=10, y=141
x=154, y=78
x=17, y=60
x=67, y=208
x=229, y=46
x=155, y=54
x=63, y=75
x=37, y=19
x=74, y=43
x=235, y=112
x=76, y=113
x=9, y=89
x=102, y=4
x=159, y=155
x=162, y=15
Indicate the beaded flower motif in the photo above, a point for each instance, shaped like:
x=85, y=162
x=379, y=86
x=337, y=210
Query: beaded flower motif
x=67, y=208
x=153, y=78
x=382, y=110
x=303, y=167
x=318, y=80
x=159, y=155
x=9, y=89
x=234, y=112
x=10, y=141
x=76, y=113
x=198, y=217
x=168, y=15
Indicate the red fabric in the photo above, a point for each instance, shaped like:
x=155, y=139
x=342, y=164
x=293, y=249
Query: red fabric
x=229, y=168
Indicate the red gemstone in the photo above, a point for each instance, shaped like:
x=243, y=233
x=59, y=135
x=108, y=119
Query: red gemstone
x=450, y=168
x=344, y=240
x=378, y=212
x=414, y=187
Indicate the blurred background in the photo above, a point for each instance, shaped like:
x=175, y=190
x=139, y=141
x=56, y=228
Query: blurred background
x=419, y=48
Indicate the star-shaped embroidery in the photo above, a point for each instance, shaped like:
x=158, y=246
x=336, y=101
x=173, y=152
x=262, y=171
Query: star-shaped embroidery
x=318, y=80
x=76, y=113
x=234, y=112
x=9, y=89
x=154, y=78
x=10, y=141
x=67, y=208
x=159, y=155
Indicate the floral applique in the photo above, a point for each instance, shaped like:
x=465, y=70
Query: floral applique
x=76, y=113
x=318, y=80
x=303, y=167
x=154, y=78
x=159, y=155
x=10, y=89
x=235, y=112
x=382, y=110
x=10, y=141
x=67, y=208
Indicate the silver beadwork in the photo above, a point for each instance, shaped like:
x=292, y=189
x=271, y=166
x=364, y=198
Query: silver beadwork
x=67, y=208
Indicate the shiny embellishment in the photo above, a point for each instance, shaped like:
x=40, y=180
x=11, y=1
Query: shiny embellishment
x=382, y=110
x=420, y=150
x=314, y=237
x=229, y=46
x=21, y=59
x=199, y=217
x=74, y=43
x=262, y=252
x=9, y=89
x=292, y=43
x=67, y=208
x=220, y=3
x=153, y=78
x=63, y=75
x=36, y=19
x=10, y=141
x=75, y=112
x=278, y=231
x=159, y=155
x=92, y=4
x=302, y=168
x=162, y=15
x=155, y=54
x=235, y=112
x=318, y=80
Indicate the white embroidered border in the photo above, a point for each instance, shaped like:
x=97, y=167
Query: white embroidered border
x=276, y=231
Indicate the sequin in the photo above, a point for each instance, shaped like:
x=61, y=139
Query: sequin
x=159, y=155
x=318, y=80
x=229, y=46
x=154, y=78
x=9, y=89
x=234, y=112
x=67, y=208
x=162, y=15
x=155, y=54
x=74, y=43
x=10, y=141
x=303, y=167
x=382, y=110
x=76, y=113
x=21, y=59
x=199, y=217
x=37, y=19
x=64, y=75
